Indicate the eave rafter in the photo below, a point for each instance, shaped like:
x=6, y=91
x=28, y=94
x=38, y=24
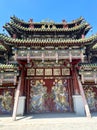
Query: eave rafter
x=19, y=27
x=2, y=47
x=49, y=42
x=88, y=66
x=94, y=48
x=11, y=29
x=17, y=20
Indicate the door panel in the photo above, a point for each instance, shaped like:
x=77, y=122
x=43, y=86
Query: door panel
x=6, y=100
x=49, y=95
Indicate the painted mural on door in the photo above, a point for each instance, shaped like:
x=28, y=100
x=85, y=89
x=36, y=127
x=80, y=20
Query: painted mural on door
x=37, y=95
x=60, y=94
x=91, y=96
x=49, y=95
x=6, y=101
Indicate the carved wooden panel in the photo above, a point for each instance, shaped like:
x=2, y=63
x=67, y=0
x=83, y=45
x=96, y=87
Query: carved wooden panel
x=30, y=72
x=57, y=72
x=39, y=71
x=48, y=71
x=65, y=71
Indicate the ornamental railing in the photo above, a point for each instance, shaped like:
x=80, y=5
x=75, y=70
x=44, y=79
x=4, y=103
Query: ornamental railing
x=91, y=77
x=6, y=77
x=50, y=54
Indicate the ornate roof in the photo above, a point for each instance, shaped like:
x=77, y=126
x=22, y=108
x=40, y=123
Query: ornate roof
x=88, y=66
x=2, y=48
x=47, y=41
x=18, y=20
x=7, y=66
x=75, y=28
x=94, y=47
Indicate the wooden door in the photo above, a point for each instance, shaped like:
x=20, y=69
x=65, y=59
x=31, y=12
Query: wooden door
x=49, y=95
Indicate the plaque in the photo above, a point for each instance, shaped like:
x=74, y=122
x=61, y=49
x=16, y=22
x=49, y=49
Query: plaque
x=57, y=72
x=48, y=71
x=30, y=72
x=39, y=71
x=65, y=71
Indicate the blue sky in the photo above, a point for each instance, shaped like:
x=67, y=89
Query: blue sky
x=55, y=10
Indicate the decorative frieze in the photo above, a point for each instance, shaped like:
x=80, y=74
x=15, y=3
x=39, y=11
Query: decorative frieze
x=8, y=74
x=50, y=54
x=57, y=72
x=39, y=72
x=65, y=71
x=88, y=76
x=48, y=72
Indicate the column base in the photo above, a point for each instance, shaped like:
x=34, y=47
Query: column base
x=21, y=105
x=78, y=105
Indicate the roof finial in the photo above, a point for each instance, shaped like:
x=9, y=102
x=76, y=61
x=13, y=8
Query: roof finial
x=31, y=20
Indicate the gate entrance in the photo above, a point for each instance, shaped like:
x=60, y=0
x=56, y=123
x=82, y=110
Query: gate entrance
x=49, y=95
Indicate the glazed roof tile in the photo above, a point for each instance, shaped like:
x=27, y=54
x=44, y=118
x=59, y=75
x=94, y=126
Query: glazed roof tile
x=94, y=47
x=88, y=66
x=2, y=48
x=75, y=28
x=7, y=66
x=14, y=18
x=45, y=41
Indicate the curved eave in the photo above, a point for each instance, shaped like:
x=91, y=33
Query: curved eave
x=49, y=42
x=9, y=29
x=21, y=28
x=17, y=20
x=87, y=29
x=94, y=48
x=85, y=66
x=7, y=66
x=2, y=48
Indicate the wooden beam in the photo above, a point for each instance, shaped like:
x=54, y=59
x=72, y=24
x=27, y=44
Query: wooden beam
x=42, y=57
x=1, y=79
x=82, y=77
x=15, y=79
x=95, y=79
x=16, y=100
x=56, y=57
x=82, y=55
x=28, y=57
x=70, y=55
x=15, y=56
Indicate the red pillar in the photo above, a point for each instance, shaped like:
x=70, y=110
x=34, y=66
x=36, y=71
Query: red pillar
x=75, y=81
x=70, y=94
x=22, y=82
x=28, y=95
x=22, y=75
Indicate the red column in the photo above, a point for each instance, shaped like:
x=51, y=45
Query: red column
x=75, y=81
x=70, y=95
x=23, y=74
x=22, y=83
x=28, y=95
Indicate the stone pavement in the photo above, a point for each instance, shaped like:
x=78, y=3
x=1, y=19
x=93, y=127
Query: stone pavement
x=67, y=121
